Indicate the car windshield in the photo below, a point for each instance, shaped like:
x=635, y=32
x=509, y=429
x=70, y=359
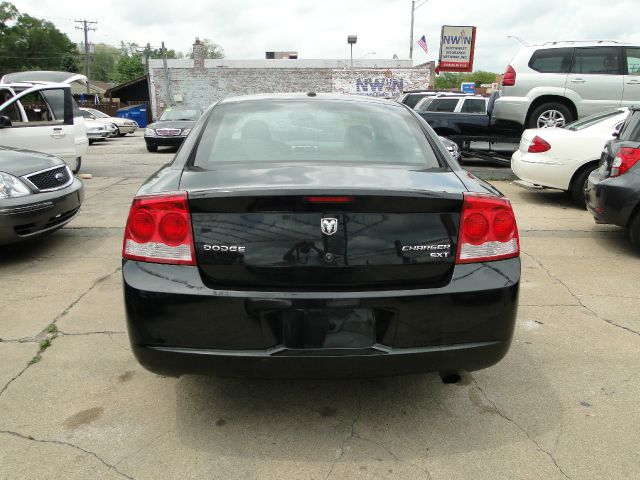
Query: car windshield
x=180, y=114
x=313, y=131
x=98, y=113
x=592, y=120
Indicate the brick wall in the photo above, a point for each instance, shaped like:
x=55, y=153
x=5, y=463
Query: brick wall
x=202, y=87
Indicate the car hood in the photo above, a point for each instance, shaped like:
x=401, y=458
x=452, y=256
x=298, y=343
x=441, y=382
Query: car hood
x=18, y=161
x=173, y=124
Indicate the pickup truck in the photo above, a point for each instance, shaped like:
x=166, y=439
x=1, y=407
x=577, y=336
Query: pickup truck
x=467, y=121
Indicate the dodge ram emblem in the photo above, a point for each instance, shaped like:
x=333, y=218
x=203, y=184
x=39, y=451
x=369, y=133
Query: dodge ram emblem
x=329, y=225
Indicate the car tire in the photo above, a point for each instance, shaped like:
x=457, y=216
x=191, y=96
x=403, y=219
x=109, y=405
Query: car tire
x=550, y=115
x=634, y=231
x=578, y=186
x=120, y=134
x=152, y=148
x=78, y=164
x=91, y=142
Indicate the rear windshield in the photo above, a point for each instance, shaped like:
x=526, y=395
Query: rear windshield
x=314, y=131
x=592, y=120
x=180, y=114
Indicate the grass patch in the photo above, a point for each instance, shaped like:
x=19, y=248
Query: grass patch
x=52, y=329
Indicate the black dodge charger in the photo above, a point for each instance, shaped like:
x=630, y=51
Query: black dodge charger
x=312, y=235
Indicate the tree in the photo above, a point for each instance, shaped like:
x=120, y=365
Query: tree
x=103, y=62
x=447, y=80
x=29, y=43
x=211, y=49
x=129, y=67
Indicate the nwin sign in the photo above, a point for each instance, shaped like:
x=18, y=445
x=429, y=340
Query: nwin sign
x=456, y=49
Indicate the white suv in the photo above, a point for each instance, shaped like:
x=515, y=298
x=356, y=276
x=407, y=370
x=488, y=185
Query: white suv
x=556, y=83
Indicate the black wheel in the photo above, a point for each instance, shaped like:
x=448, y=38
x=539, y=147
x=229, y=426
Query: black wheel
x=121, y=134
x=91, y=142
x=578, y=187
x=78, y=164
x=634, y=232
x=550, y=115
x=152, y=148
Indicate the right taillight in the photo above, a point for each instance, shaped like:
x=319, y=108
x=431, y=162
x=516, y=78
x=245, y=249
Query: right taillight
x=509, y=77
x=159, y=230
x=624, y=160
x=488, y=230
x=539, y=145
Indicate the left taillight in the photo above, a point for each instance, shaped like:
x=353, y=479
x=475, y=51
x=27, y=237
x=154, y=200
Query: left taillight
x=488, y=230
x=624, y=160
x=159, y=230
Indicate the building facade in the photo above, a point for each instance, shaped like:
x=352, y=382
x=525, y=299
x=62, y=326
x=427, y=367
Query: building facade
x=201, y=82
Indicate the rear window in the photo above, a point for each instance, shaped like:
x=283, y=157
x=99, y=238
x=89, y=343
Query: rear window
x=413, y=98
x=551, y=60
x=474, y=105
x=631, y=128
x=442, y=105
x=313, y=131
x=592, y=120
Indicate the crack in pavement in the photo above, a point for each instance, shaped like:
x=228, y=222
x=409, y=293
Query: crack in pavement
x=58, y=317
x=578, y=299
x=67, y=444
x=104, y=189
x=519, y=427
x=105, y=332
x=350, y=433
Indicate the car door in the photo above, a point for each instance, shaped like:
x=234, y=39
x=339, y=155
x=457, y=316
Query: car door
x=631, y=87
x=41, y=119
x=595, y=80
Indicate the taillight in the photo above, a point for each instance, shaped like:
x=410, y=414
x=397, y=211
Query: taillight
x=159, y=230
x=509, y=77
x=488, y=230
x=624, y=160
x=539, y=145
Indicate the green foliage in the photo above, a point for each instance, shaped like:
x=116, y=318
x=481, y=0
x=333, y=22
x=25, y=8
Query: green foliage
x=29, y=43
x=447, y=80
x=103, y=63
x=211, y=49
x=129, y=67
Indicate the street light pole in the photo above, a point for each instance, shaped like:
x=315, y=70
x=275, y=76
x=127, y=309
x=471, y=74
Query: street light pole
x=351, y=40
x=414, y=7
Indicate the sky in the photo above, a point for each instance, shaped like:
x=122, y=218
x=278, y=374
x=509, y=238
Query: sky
x=318, y=30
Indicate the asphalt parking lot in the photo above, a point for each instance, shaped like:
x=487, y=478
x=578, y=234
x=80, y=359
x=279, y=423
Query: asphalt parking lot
x=74, y=403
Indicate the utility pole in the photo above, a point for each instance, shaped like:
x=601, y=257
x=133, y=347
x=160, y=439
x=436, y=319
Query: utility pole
x=86, y=26
x=166, y=73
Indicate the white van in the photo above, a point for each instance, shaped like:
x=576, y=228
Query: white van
x=38, y=112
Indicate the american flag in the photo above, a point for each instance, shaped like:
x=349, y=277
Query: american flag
x=423, y=43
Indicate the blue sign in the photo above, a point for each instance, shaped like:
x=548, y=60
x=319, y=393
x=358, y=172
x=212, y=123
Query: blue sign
x=468, y=87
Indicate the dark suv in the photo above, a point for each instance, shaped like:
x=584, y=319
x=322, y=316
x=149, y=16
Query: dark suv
x=613, y=190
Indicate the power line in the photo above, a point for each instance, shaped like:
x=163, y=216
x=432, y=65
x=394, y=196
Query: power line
x=86, y=26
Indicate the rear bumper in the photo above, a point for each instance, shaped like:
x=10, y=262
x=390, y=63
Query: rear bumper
x=543, y=171
x=178, y=325
x=613, y=200
x=127, y=128
x=164, y=141
x=27, y=217
x=513, y=109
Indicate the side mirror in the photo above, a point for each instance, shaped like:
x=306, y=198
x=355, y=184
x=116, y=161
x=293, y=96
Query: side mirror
x=5, y=121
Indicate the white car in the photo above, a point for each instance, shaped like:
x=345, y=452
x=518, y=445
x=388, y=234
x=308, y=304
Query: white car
x=96, y=131
x=562, y=158
x=38, y=112
x=124, y=125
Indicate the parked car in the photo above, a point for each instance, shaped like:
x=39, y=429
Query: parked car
x=123, y=125
x=410, y=99
x=96, y=131
x=613, y=190
x=452, y=148
x=465, y=118
x=563, y=158
x=172, y=127
x=306, y=235
x=556, y=83
x=38, y=194
x=41, y=104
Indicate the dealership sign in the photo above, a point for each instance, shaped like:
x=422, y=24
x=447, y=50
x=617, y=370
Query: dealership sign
x=456, y=49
